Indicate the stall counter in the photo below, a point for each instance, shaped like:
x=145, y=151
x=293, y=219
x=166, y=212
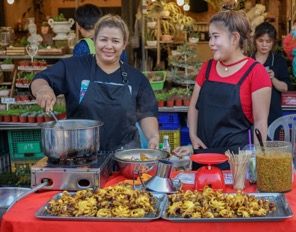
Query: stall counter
x=21, y=218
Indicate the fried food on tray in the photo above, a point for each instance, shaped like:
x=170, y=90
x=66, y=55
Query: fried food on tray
x=117, y=201
x=214, y=204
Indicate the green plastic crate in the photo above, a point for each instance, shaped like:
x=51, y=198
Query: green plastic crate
x=156, y=84
x=25, y=144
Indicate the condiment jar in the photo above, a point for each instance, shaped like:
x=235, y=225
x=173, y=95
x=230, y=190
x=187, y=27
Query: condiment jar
x=274, y=167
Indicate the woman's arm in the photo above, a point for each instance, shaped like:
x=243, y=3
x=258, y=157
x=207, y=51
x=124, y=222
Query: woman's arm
x=261, y=103
x=279, y=74
x=43, y=93
x=149, y=126
x=193, y=118
x=279, y=85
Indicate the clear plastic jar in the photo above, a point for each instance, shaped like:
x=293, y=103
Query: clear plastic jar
x=274, y=167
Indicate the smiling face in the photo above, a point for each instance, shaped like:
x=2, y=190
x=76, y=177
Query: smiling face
x=264, y=44
x=221, y=42
x=109, y=45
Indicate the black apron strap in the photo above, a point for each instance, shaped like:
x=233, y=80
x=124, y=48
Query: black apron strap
x=272, y=60
x=209, y=69
x=123, y=72
x=247, y=73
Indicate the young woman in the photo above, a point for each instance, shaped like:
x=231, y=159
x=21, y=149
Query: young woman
x=101, y=87
x=232, y=92
x=275, y=64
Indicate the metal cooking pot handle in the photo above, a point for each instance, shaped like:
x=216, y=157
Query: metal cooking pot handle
x=35, y=189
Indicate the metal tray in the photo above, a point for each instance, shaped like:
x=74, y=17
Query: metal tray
x=283, y=211
x=161, y=200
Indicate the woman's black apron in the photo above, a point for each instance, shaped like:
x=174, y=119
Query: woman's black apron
x=222, y=124
x=112, y=104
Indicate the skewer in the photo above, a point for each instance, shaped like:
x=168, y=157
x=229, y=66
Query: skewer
x=238, y=164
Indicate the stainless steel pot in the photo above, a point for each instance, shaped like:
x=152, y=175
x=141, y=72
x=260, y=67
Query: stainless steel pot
x=131, y=162
x=71, y=138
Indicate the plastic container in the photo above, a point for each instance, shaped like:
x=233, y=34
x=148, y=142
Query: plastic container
x=25, y=144
x=156, y=79
x=274, y=167
x=168, y=121
x=250, y=149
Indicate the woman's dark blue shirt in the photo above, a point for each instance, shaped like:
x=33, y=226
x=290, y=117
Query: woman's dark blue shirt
x=66, y=75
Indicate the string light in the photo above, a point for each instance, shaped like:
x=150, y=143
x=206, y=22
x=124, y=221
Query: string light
x=10, y=2
x=186, y=7
x=184, y=3
x=180, y=2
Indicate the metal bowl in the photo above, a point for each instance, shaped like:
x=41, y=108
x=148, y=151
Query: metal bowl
x=8, y=195
x=131, y=164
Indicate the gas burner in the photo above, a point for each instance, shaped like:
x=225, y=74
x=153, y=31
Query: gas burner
x=73, y=175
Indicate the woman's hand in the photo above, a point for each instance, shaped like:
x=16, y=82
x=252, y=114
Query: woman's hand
x=43, y=93
x=46, y=98
x=270, y=73
x=153, y=142
x=183, y=151
x=197, y=143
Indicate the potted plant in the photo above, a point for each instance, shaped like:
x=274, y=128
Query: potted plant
x=161, y=97
x=168, y=30
x=32, y=117
x=7, y=64
x=151, y=40
x=6, y=116
x=14, y=116
x=40, y=117
x=61, y=26
x=151, y=23
x=48, y=118
x=60, y=110
x=187, y=97
x=194, y=37
x=171, y=97
x=23, y=118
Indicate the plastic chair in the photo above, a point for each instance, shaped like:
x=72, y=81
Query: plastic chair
x=286, y=123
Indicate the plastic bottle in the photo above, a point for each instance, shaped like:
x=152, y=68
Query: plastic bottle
x=166, y=144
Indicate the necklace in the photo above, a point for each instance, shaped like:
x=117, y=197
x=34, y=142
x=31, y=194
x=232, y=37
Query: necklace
x=226, y=66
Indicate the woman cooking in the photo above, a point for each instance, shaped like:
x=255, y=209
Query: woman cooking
x=101, y=87
x=231, y=93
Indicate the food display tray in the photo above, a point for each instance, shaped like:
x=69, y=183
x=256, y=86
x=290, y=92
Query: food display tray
x=283, y=211
x=161, y=201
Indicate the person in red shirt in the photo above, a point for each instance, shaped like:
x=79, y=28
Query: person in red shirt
x=232, y=92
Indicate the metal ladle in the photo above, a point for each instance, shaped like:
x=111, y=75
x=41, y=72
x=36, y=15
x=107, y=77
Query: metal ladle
x=259, y=137
x=57, y=122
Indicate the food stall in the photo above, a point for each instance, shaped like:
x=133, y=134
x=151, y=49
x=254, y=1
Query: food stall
x=87, y=171
x=21, y=217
